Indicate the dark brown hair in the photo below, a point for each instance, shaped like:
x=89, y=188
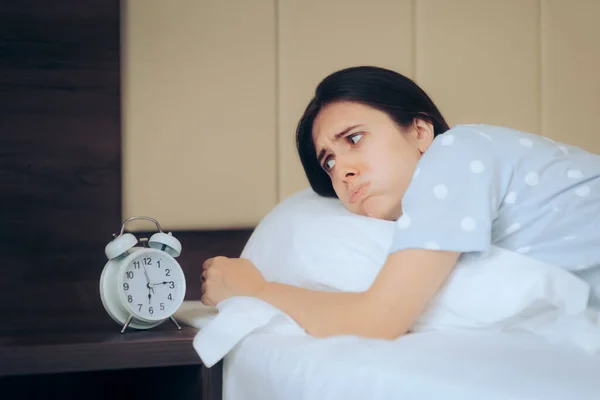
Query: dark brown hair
x=388, y=91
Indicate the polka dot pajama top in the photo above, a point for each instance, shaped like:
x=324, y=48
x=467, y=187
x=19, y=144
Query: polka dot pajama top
x=481, y=185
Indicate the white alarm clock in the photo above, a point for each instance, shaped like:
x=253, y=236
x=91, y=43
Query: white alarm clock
x=141, y=287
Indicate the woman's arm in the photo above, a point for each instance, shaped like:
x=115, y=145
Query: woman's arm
x=399, y=294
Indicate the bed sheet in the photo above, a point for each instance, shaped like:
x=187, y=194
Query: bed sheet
x=428, y=365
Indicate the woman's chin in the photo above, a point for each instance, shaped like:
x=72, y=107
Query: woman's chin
x=380, y=207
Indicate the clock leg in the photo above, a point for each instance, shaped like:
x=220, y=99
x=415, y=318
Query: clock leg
x=175, y=322
x=127, y=323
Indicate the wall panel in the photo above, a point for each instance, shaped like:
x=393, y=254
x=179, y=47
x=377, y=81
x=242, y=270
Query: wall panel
x=199, y=112
x=212, y=91
x=60, y=171
x=479, y=60
x=318, y=37
x=571, y=72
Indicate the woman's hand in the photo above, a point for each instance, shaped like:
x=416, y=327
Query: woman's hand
x=228, y=277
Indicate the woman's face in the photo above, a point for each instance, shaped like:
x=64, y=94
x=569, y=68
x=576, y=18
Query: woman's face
x=369, y=159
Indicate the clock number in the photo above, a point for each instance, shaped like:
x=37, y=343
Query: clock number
x=139, y=307
x=162, y=306
x=158, y=262
x=126, y=286
x=151, y=310
x=129, y=274
x=168, y=272
x=129, y=299
x=147, y=261
x=170, y=297
x=136, y=264
x=171, y=285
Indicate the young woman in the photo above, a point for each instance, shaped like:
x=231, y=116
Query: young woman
x=372, y=138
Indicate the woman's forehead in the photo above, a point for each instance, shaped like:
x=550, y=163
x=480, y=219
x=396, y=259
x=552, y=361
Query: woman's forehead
x=337, y=117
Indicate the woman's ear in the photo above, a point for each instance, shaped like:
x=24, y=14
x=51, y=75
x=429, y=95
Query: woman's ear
x=424, y=134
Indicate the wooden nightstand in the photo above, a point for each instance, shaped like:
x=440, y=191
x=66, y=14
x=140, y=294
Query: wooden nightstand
x=147, y=365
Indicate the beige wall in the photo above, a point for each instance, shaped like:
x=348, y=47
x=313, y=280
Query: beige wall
x=212, y=90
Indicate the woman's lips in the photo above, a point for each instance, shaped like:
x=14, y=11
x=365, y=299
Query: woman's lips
x=358, y=193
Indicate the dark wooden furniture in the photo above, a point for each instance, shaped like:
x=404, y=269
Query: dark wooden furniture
x=60, y=202
x=90, y=357
x=60, y=174
x=94, y=351
x=103, y=365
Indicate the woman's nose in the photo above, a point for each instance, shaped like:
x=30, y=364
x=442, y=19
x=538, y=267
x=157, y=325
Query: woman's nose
x=350, y=173
x=348, y=169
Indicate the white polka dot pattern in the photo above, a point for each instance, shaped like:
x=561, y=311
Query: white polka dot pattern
x=513, y=228
x=511, y=198
x=532, y=178
x=526, y=142
x=468, y=224
x=447, y=139
x=432, y=245
x=403, y=222
x=477, y=166
x=440, y=191
x=564, y=150
x=583, y=191
x=481, y=185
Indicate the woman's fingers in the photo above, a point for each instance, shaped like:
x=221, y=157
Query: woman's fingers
x=211, y=261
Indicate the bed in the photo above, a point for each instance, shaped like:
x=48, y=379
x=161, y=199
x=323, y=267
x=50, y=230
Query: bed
x=430, y=365
x=463, y=365
x=504, y=326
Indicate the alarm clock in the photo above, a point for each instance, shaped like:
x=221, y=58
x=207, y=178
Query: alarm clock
x=142, y=286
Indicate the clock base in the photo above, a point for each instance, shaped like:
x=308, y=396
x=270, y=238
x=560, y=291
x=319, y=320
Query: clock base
x=126, y=324
x=173, y=320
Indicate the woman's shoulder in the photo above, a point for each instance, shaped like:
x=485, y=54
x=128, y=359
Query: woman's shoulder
x=514, y=143
x=503, y=142
x=496, y=134
x=479, y=140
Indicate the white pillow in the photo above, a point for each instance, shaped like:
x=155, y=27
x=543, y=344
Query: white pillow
x=307, y=236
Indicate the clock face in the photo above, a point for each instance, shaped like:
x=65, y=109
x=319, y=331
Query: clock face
x=152, y=285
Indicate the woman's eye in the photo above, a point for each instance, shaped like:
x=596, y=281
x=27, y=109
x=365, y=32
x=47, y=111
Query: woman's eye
x=329, y=164
x=356, y=138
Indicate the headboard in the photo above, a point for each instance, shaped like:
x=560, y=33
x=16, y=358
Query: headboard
x=212, y=94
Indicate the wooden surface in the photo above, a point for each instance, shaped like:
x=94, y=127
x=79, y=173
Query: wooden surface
x=161, y=383
x=60, y=170
x=62, y=352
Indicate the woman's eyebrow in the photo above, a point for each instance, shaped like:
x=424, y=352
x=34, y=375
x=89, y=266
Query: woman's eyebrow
x=335, y=138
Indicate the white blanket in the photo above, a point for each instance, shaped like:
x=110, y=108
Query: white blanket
x=440, y=365
x=501, y=291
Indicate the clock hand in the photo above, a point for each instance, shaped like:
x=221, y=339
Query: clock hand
x=146, y=275
x=149, y=285
x=162, y=283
